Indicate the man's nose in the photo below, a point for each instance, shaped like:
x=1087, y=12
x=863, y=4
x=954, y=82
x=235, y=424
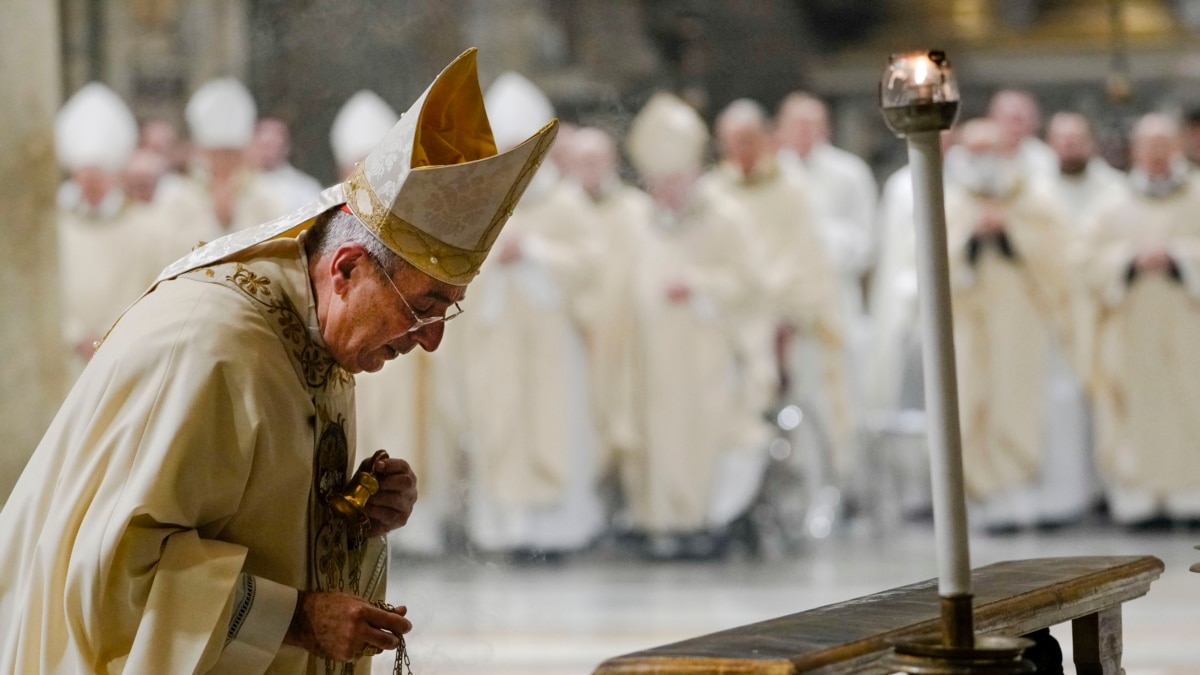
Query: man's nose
x=430, y=336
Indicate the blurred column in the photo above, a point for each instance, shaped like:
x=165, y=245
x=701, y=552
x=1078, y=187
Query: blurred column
x=31, y=377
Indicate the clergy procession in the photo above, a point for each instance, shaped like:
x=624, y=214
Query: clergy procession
x=663, y=291
x=683, y=332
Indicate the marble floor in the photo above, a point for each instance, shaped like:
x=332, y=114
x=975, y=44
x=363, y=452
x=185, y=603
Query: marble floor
x=481, y=616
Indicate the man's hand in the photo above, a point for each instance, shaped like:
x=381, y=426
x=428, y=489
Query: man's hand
x=678, y=291
x=1153, y=261
x=991, y=221
x=390, y=508
x=338, y=626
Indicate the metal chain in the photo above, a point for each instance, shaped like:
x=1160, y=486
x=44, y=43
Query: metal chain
x=403, y=665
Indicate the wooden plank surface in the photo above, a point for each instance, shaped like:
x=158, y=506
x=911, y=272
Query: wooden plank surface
x=1013, y=597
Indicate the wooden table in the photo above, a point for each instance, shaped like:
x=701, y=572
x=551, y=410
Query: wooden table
x=1011, y=598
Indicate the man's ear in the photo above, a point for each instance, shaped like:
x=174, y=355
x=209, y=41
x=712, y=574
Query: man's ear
x=343, y=264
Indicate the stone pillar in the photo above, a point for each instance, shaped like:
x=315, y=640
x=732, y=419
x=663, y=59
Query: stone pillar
x=32, y=377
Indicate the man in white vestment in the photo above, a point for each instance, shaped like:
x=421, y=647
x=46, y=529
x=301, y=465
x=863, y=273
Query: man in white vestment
x=1083, y=183
x=1083, y=178
x=1143, y=265
x=104, y=239
x=189, y=509
x=269, y=152
x=531, y=437
x=800, y=313
x=1009, y=276
x=222, y=194
x=623, y=214
x=689, y=472
x=844, y=196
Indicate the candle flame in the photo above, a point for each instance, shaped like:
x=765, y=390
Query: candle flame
x=921, y=71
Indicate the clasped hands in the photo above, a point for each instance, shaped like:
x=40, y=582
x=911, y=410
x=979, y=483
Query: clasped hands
x=344, y=627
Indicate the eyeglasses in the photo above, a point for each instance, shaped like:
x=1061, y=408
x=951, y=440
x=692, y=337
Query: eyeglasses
x=419, y=322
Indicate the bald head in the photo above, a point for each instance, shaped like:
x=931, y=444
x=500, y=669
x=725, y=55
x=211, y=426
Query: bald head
x=1070, y=136
x=1157, y=144
x=744, y=134
x=802, y=123
x=1018, y=114
x=591, y=159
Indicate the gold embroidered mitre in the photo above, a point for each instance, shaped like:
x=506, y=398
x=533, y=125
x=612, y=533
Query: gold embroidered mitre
x=435, y=190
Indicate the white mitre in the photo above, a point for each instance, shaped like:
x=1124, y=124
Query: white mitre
x=362, y=122
x=667, y=137
x=435, y=190
x=517, y=108
x=95, y=129
x=221, y=114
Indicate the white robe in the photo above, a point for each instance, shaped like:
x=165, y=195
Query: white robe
x=107, y=258
x=799, y=288
x=176, y=503
x=1012, y=325
x=1147, y=366
x=687, y=469
x=844, y=196
x=531, y=436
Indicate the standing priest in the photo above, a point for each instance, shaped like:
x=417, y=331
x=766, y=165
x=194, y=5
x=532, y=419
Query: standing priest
x=1144, y=267
x=183, y=513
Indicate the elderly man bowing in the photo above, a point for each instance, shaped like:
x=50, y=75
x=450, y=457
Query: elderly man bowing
x=186, y=510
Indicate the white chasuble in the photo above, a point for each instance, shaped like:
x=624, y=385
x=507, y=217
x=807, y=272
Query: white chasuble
x=683, y=365
x=106, y=260
x=1011, y=312
x=1147, y=372
x=176, y=502
x=800, y=289
x=529, y=422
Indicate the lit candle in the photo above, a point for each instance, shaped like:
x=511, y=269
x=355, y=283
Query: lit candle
x=919, y=99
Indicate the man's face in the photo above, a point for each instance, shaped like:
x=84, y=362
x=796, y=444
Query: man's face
x=743, y=145
x=1154, y=153
x=1017, y=115
x=367, y=323
x=592, y=161
x=802, y=126
x=270, y=146
x=673, y=191
x=1072, y=142
x=142, y=174
x=94, y=184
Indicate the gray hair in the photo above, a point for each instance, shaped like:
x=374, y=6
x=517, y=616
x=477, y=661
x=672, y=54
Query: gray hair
x=335, y=228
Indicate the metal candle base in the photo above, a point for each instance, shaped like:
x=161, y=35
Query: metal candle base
x=991, y=655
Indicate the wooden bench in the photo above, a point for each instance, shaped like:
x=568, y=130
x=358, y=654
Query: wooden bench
x=1011, y=598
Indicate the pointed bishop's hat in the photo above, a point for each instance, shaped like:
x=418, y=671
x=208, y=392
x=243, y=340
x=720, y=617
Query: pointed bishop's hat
x=434, y=190
x=667, y=136
x=221, y=114
x=95, y=128
x=363, y=120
